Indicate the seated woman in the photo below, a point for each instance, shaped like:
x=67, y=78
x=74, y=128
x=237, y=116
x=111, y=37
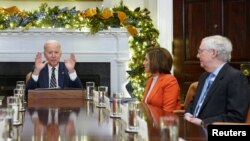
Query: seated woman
x=162, y=89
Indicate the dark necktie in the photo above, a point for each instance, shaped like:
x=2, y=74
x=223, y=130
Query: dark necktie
x=203, y=95
x=53, y=79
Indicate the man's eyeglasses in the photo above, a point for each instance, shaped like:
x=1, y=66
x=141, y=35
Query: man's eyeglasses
x=201, y=50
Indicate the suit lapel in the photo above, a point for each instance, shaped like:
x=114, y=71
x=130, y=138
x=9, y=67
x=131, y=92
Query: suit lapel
x=147, y=88
x=155, y=88
x=61, y=74
x=215, y=84
x=46, y=79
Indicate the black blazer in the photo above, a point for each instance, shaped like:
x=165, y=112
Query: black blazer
x=63, y=79
x=227, y=100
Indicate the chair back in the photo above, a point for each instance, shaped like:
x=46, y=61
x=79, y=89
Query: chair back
x=189, y=96
x=28, y=75
x=190, y=93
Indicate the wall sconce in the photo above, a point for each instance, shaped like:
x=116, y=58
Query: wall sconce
x=245, y=69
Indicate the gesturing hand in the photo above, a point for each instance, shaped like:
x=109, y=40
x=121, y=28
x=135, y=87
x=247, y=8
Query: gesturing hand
x=39, y=65
x=70, y=63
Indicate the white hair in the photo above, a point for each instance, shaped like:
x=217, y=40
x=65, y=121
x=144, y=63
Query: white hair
x=52, y=42
x=222, y=45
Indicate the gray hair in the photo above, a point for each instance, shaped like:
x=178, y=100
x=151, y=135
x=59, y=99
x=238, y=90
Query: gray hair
x=52, y=42
x=222, y=45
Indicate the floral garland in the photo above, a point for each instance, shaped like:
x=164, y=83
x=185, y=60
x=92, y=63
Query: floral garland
x=95, y=19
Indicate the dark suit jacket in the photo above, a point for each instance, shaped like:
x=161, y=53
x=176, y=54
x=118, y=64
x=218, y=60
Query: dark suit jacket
x=228, y=98
x=63, y=79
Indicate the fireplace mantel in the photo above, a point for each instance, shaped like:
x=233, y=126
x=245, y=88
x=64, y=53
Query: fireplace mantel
x=105, y=46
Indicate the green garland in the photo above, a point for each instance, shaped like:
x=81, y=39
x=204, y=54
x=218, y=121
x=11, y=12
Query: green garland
x=94, y=19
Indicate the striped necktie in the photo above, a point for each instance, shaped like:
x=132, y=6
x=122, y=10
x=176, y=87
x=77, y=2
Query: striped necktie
x=53, y=79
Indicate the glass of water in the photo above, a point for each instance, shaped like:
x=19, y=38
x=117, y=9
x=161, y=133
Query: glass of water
x=13, y=103
x=90, y=90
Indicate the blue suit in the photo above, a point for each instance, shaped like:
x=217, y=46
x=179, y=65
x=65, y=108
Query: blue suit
x=227, y=100
x=64, y=80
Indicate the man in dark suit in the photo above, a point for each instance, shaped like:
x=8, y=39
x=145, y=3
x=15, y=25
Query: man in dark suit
x=223, y=93
x=64, y=75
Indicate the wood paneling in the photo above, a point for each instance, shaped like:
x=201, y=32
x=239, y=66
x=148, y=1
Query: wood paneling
x=196, y=19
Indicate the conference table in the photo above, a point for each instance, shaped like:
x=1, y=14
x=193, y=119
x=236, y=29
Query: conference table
x=81, y=120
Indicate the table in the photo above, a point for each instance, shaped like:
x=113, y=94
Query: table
x=81, y=120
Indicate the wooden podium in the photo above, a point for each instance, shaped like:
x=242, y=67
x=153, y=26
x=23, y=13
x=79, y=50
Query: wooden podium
x=56, y=97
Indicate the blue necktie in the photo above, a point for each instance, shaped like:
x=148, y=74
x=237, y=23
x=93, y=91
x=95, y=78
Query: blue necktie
x=206, y=87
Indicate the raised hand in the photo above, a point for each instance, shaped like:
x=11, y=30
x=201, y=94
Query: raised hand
x=70, y=63
x=39, y=65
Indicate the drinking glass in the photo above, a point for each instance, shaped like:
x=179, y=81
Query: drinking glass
x=133, y=113
x=169, y=127
x=116, y=106
x=90, y=88
x=19, y=93
x=6, y=124
x=102, y=91
x=20, y=82
x=13, y=102
x=21, y=85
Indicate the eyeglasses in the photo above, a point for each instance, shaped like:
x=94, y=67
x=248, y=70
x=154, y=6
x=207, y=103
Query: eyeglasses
x=201, y=50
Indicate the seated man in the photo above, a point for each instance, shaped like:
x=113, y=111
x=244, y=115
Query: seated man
x=222, y=93
x=52, y=73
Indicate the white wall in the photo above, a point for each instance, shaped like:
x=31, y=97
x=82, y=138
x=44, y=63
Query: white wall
x=31, y=5
x=161, y=12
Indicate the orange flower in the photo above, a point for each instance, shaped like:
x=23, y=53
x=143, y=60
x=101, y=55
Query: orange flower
x=2, y=10
x=122, y=16
x=12, y=10
x=132, y=30
x=89, y=12
x=106, y=13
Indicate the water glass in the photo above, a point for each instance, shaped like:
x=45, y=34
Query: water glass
x=169, y=127
x=90, y=88
x=21, y=85
x=102, y=91
x=116, y=106
x=19, y=93
x=133, y=113
x=13, y=103
x=6, y=124
x=20, y=82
